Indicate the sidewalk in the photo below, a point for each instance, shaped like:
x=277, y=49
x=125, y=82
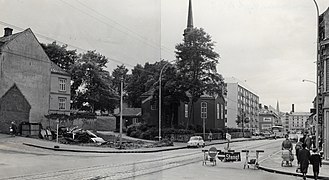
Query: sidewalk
x=52, y=145
x=273, y=164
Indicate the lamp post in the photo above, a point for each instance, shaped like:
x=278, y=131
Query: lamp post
x=160, y=77
x=316, y=111
x=317, y=76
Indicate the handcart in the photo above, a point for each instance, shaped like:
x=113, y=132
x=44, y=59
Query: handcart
x=287, y=158
x=252, y=158
x=209, y=155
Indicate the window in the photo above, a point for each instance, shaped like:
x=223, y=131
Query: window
x=266, y=126
x=61, y=103
x=218, y=111
x=186, y=110
x=62, y=84
x=267, y=119
x=203, y=110
x=153, y=105
x=222, y=111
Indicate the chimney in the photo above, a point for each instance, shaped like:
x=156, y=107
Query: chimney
x=292, y=108
x=8, y=32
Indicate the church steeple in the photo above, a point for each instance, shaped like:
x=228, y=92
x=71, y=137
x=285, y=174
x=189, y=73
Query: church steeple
x=189, y=19
x=277, y=106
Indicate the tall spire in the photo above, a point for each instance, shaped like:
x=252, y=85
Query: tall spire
x=277, y=106
x=190, y=15
x=189, y=19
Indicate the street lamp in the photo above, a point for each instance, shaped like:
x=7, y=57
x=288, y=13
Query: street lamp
x=317, y=76
x=305, y=80
x=316, y=112
x=160, y=77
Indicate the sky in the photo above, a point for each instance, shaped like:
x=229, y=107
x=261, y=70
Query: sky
x=269, y=45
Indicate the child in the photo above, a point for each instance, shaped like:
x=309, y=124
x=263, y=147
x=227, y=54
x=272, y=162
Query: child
x=315, y=160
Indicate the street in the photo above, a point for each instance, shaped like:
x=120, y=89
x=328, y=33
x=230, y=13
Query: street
x=22, y=162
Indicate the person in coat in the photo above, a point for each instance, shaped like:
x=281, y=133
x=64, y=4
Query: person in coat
x=13, y=128
x=304, y=156
x=315, y=160
x=308, y=142
x=298, y=147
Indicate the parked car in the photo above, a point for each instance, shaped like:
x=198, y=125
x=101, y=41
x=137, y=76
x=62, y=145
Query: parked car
x=196, y=141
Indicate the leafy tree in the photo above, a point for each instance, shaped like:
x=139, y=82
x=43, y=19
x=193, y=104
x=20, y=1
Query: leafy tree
x=141, y=80
x=92, y=84
x=60, y=55
x=117, y=74
x=242, y=120
x=196, y=64
x=172, y=95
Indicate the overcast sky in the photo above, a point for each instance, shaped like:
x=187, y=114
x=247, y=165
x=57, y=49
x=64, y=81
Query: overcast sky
x=270, y=45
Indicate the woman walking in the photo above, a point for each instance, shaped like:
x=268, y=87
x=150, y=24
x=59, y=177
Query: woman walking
x=304, y=156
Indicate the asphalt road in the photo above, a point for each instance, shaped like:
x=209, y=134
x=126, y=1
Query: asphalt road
x=20, y=162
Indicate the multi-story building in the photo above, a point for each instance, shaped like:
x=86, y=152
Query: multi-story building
x=297, y=121
x=30, y=85
x=323, y=75
x=267, y=118
x=241, y=101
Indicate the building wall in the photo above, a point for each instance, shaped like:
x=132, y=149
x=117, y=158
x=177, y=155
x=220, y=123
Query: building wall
x=56, y=93
x=297, y=121
x=240, y=99
x=232, y=104
x=24, y=62
x=266, y=121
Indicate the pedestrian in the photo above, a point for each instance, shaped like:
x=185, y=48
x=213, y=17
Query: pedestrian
x=304, y=156
x=315, y=160
x=13, y=128
x=286, y=144
x=298, y=147
x=210, y=136
x=308, y=142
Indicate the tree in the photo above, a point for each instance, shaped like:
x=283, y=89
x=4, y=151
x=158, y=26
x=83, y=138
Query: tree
x=60, y=55
x=91, y=88
x=141, y=80
x=196, y=64
x=242, y=119
x=117, y=74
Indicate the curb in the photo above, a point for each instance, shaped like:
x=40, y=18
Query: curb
x=288, y=173
x=100, y=151
x=126, y=151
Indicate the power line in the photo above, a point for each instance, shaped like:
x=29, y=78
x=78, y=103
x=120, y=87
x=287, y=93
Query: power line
x=145, y=41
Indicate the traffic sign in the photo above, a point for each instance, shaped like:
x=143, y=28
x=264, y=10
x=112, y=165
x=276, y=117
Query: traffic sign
x=228, y=136
x=212, y=152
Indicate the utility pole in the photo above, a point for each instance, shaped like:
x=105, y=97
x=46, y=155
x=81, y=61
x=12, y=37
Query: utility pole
x=121, y=97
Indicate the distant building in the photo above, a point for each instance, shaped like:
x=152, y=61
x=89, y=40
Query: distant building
x=30, y=85
x=297, y=121
x=267, y=118
x=241, y=100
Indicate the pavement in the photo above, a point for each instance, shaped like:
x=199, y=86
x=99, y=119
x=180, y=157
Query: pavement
x=271, y=163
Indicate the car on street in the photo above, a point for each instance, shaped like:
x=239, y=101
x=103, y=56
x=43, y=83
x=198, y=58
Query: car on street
x=196, y=141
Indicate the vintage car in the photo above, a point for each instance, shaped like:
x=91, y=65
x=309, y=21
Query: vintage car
x=196, y=141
